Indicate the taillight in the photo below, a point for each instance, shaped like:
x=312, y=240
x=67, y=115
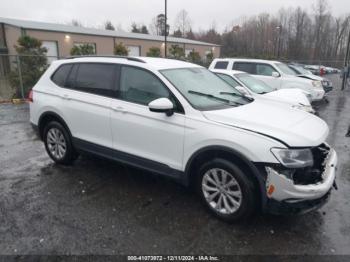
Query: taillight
x=30, y=96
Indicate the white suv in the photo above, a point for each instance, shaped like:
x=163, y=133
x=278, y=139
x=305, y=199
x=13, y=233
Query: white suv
x=274, y=73
x=180, y=120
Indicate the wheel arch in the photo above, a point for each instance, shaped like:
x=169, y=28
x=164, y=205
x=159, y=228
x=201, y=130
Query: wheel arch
x=210, y=152
x=48, y=117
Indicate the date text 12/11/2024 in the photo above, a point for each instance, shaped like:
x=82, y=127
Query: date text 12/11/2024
x=173, y=258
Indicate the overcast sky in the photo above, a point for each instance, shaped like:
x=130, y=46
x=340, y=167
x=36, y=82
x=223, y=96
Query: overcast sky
x=123, y=12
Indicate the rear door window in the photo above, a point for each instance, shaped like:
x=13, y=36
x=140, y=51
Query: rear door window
x=96, y=78
x=221, y=65
x=245, y=67
x=60, y=76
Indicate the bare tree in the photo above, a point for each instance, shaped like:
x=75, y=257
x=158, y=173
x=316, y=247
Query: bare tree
x=153, y=26
x=321, y=16
x=341, y=26
x=158, y=27
x=75, y=22
x=119, y=28
x=142, y=29
x=183, y=22
x=210, y=36
x=300, y=24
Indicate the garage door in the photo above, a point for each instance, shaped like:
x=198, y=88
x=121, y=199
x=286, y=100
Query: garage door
x=134, y=50
x=52, y=51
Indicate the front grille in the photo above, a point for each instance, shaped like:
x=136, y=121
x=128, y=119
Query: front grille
x=313, y=175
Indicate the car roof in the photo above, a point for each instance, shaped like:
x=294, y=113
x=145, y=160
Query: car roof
x=153, y=62
x=228, y=72
x=247, y=60
x=166, y=63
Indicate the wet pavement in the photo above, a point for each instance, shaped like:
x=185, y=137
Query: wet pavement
x=100, y=207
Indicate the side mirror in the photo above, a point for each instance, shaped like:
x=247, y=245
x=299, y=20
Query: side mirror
x=162, y=105
x=242, y=90
x=275, y=74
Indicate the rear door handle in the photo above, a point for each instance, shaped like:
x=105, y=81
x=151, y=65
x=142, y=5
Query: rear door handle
x=119, y=109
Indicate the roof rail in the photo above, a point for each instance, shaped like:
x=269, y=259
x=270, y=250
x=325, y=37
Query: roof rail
x=135, y=59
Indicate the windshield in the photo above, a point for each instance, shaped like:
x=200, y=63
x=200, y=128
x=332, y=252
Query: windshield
x=232, y=82
x=285, y=69
x=203, y=89
x=300, y=70
x=254, y=84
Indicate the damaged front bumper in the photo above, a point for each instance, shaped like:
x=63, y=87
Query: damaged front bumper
x=287, y=195
x=327, y=86
x=318, y=94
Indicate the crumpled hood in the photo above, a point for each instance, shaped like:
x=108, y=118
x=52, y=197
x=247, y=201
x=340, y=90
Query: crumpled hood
x=312, y=77
x=299, y=80
x=294, y=127
x=293, y=96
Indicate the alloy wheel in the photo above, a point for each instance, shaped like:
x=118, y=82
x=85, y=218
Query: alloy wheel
x=56, y=143
x=221, y=191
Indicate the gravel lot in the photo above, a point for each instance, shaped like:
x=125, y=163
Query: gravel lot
x=100, y=207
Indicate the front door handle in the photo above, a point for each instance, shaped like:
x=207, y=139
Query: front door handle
x=119, y=109
x=66, y=96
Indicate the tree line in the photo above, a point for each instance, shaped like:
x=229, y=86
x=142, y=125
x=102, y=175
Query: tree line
x=293, y=34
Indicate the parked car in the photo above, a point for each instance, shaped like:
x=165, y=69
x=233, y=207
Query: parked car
x=274, y=73
x=180, y=120
x=315, y=69
x=330, y=70
x=302, y=72
x=249, y=85
x=337, y=71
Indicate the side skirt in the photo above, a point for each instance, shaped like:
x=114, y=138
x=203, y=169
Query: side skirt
x=128, y=159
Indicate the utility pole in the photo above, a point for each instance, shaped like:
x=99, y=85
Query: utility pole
x=346, y=65
x=166, y=30
x=279, y=40
x=346, y=72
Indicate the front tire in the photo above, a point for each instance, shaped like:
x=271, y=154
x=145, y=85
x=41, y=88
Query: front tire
x=226, y=190
x=58, y=143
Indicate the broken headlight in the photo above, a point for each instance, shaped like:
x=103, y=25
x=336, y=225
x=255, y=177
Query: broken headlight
x=317, y=84
x=293, y=158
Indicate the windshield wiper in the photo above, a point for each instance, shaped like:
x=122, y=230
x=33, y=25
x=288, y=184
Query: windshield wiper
x=227, y=101
x=238, y=95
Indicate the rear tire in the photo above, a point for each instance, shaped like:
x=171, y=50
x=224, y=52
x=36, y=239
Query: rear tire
x=226, y=190
x=58, y=143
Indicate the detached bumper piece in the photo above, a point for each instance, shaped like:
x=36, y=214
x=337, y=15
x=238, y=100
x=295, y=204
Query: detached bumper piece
x=328, y=89
x=285, y=208
x=305, y=189
x=327, y=86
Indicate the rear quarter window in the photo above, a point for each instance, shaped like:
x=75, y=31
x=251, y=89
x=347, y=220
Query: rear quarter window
x=249, y=68
x=221, y=65
x=95, y=78
x=60, y=75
